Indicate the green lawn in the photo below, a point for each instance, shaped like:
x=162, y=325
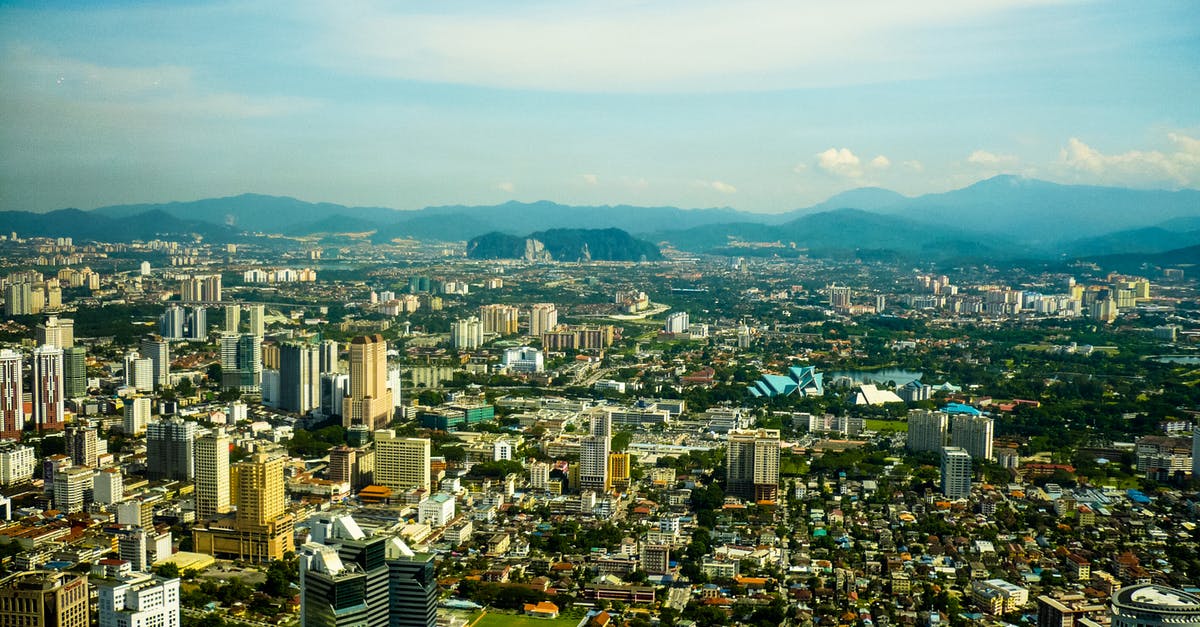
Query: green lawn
x=886, y=425
x=511, y=620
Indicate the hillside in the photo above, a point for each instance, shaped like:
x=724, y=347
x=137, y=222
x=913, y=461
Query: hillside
x=564, y=245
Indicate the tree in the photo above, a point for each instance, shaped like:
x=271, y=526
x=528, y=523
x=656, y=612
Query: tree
x=168, y=570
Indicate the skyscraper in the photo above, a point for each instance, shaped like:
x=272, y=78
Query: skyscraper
x=233, y=318
x=56, y=331
x=334, y=389
x=75, y=372
x=299, y=377
x=261, y=497
x=258, y=324
x=466, y=334
x=137, y=415
x=370, y=401
x=172, y=322
x=48, y=406
x=158, y=351
x=752, y=461
x=83, y=444
x=12, y=406
x=262, y=528
x=200, y=289
x=839, y=297
x=412, y=587
x=542, y=318
x=341, y=563
x=18, y=300
x=329, y=356
x=972, y=434
x=401, y=463
x=45, y=598
x=956, y=473
x=926, y=430
x=241, y=362
x=212, y=475
x=499, y=319
x=171, y=450
x=197, y=325
x=593, y=459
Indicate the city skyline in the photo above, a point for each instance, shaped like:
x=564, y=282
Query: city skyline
x=764, y=107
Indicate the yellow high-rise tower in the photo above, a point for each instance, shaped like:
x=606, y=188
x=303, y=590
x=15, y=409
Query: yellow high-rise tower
x=370, y=400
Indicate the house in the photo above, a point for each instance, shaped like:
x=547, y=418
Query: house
x=544, y=609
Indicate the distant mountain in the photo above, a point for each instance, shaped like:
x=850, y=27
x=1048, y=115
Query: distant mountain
x=867, y=198
x=255, y=212
x=1147, y=240
x=564, y=245
x=1141, y=262
x=86, y=225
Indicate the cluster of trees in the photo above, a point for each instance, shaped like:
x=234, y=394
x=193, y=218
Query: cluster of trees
x=306, y=443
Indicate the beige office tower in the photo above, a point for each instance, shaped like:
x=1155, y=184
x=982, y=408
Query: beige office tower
x=258, y=323
x=56, y=331
x=233, y=318
x=401, y=463
x=262, y=529
x=752, y=461
x=45, y=598
x=212, y=475
x=370, y=400
x=542, y=317
x=261, y=496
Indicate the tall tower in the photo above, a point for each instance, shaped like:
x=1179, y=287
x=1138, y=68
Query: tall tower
x=233, y=318
x=158, y=351
x=752, y=460
x=593, y=459
x=370, y=401
x=75, y=372
x=956, y=473
x=172, y=322
x=212, y=475
x=12, y=407
x=137, y=415
x=197, y=324
x=56, y=331
x=412, y=587
x=466, y=333
x=170, y=450
x=257, y=320
x=83, y=443
x=329, y=356
x=401, y=463
x=542, y=318
x=299, y=377
x=48, y=406
x=241, y=362
x=261, y=498
x=973, y=434
x=926, y=431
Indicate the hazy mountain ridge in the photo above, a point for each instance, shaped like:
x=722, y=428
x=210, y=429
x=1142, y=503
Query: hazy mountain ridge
x=564, y=245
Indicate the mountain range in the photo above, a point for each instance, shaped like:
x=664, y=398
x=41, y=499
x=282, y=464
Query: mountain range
x=1004, y=216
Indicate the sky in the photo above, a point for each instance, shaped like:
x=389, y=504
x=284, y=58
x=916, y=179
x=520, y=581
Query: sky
x=760, y=105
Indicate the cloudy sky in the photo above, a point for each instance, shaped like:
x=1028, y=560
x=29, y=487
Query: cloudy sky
x=761, y=105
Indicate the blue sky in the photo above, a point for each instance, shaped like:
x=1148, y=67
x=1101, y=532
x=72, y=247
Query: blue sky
x=761, y=105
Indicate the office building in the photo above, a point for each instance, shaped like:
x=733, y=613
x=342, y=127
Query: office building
x=12, y=395
x=241, y=362
x=133, y=547
x=618, y=471
x=17, y=464
x=524, y=359
x=499, y=319
x=956, y=472
x=261, y=530
x=233, y=319
x=48, y=406
x=299, y=377
x=138, y=600
x=108, y=487
x=1153, y=605
x=212, y=475
x=926, y=430
x=55, y=331
x=412, y=587
x=752, y=462
x=466, y=334
x=75, y=372
x=593, y=459
x=972, y=434
x=83, y=444
x=329, y=356
x=542, y=318
x=196, y=325
x=72, y=487
x=334, y=390
x=171, y=450
x=158, y=351
x=343, y=465
x=258, y=320
x=137, y=415
x=401, y=463
x=44, y=598
x=332, y=593
x=370, y=401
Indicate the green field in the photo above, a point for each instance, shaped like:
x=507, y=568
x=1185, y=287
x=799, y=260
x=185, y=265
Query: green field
x=512, y=620
x=887, y=425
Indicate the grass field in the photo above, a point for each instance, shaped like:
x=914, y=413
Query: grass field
x=512, y=620
x=887, y=425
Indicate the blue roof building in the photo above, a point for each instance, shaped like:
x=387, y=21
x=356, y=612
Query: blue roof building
x=802, y=380
x=959, y=408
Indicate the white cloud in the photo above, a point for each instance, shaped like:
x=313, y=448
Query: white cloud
x=881, y=162
x=991, y=160
x=722, y=186
x=1180, y=167
x=507, y=187
x=840, y=161
x=591, y=179
x=914, y=165
x=706, y=45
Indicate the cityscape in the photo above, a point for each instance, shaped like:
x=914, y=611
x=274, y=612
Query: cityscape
x=861, y=318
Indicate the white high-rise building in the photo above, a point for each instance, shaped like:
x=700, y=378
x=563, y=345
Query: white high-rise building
x=973, y=434
x=926, y=430
x=212, y=475
x=401, y=463
x=956, y=473
x=108, y=487
x=467, y=334
x=48, y=388
x=258, y=325
x=593, y=459
x=542, y=318
x=137, y=415
x=56, y=331
x=17, y=463
x=158, y=351
x=676, y=322
x=70, y=488
x=233, y=318
x=138, y=600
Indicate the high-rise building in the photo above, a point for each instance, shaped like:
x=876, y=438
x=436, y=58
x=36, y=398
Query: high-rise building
x=677, y=322
x=137, y=415
x=261, y=496
x=108, y=486
x=593, y=459
x=212, y=475
x=83, y=444
x=200, y=289
x=12, y=395
x=343, y=464
x=972, y=434
x=171, y=450
x=412, y=587
x=55, y=331
x=132, y=546
x=618, y=471
x=499, y=319
x=956, y=472
x=138, y=600
x=466, y=334
x=71, y=488
x=343, y=574
x=926, y=430
x=329, y=356
x=370, y=400
x=299, y=377
x=197, y=325
x=262, y=529
x=44, y=598
x=752, y=462
x=17, y=464
x=839, y=297
x=542, y=317
x=18, y=300
x=48, y=390
x=158, y=351
x=241, y=362
x=401, y=463
x=75, y=372
x=1195, y=452
x=233, y=318
x=172, y=322
x=1153, y=605
x=334, y=389
x=258, y=320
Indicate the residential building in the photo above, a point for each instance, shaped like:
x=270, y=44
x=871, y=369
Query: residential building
x=48, y=389
x=972, y=434
x=138, y=600
x=466, y=334
x=542, y=318
x=593, y=459
x=12, y=395
x=241, y=362
x=171, y=450
x=752, y=461
x=55, y=331
x=499, y=319
x=108, y=487
x=17, y=464
x=956, y=472
x=83, y=444
x=212, y=475
x=258, y=324
x=158, y=351
x=233, y=318
x=71, y=487
x=926, y=430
